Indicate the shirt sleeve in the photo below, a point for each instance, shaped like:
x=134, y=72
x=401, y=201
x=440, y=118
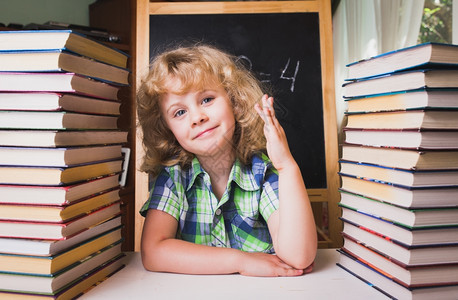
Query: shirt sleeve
x=269, y=201
x=163, y=196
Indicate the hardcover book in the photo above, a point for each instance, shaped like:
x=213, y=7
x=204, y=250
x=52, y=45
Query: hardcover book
x=398, y=176
x=404, y=81
x=409, y=119
x=57, y=231
x=57, y=214
x=402, y=158
x=61, y=61
x=413, y=218
x=407, y=197
x=77, y=288
x=37, y=175
x=388, y=286
x=407, y=275
x=57, y=195
x=58, y=102
x=40, y=40
x=40, y=247
x=405, y=100
x=434, y=235
x=61, y=138
x=57, y=82
x=55, y=120
x=57, y=157
x=422, y=55
x=408, y=255
x=53, y=284
x=403, y=138
x=48, y=265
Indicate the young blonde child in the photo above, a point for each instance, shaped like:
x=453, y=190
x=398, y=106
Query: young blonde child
x=227, y=196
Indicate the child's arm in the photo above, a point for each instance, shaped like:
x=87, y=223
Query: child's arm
x=292, y=226
x=162, y=252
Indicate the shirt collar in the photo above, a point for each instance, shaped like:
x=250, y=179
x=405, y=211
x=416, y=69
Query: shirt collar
x=248, y=177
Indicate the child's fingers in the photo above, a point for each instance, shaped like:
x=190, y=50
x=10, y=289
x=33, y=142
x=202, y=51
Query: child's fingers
x=267, y=105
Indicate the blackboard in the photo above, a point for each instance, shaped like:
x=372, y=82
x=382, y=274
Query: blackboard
x=283, y=50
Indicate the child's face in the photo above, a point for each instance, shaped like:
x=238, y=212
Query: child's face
x=202, y=121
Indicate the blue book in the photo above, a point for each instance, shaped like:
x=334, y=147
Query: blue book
x=61, y=61
x=424, y=98
x=422, y=56
x=68, y=40
x=434, y=78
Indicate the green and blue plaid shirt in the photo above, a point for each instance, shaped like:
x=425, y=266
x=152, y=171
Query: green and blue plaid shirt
x=238, y=220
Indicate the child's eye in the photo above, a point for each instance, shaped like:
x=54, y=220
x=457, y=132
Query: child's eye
x=179, y=113
x=206, y=100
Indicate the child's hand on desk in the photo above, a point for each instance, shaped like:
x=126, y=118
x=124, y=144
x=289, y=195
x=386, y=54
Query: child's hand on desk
x=267, y=265
x=277, y=144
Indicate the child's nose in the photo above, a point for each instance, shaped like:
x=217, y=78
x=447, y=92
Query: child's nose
x=198, y=117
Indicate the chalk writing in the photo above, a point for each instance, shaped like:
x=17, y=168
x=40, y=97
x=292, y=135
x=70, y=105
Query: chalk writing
x=293, y=78
x=266, y=77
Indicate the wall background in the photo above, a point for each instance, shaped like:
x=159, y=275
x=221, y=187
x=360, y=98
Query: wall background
x=41, y=11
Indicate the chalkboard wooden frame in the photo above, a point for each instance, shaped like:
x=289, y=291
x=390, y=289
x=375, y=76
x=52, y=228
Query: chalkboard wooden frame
x=327, y=195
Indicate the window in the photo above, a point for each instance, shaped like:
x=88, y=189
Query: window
x=436, y=24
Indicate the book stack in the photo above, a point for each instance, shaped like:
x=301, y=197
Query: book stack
x=399, y=171
x=60, y=160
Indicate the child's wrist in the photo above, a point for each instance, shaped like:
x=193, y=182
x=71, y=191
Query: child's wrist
x=288, y=167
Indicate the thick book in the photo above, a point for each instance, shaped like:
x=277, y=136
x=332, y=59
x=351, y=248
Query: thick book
x=408, y=119
x=407, y=275
x=61, y=61
x=405, y=100
x=434, y=235
x=404, y=81
x=56, y=195
x=47, y=265
x=43, y=101
x=61, y=138
x=55, y=120
x=57, y=157
x=407, y=197
x=40, y=247
x=57, y=214
x=424, y=255
x=53, y=284
x=401, y=158
x=403, y=177
x=39, y=175
x=414, y=218
x=403, y=138
x=78, y=287
x=57, y=82
x=388, y=286
x=40, y=40
x=97, y=33
x=57, y=231
x=426, y=54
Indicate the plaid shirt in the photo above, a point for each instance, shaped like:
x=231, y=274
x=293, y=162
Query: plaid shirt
x=237, y=220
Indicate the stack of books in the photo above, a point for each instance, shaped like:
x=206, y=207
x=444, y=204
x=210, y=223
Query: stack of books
x=60, y=160
x=399, y=171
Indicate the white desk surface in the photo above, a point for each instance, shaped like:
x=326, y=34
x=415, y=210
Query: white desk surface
x=327, y=281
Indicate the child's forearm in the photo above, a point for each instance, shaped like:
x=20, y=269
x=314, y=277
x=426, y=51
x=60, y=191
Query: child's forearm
x=177, y=256
x=296, y=239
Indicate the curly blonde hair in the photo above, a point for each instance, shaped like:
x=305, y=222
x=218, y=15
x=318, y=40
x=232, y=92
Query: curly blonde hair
x=196, y=68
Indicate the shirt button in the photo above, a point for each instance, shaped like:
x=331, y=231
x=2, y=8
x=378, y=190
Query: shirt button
x=218, y=212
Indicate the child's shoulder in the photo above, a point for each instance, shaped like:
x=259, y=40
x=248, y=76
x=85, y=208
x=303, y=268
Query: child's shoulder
x=260, y=161
x=262, y=167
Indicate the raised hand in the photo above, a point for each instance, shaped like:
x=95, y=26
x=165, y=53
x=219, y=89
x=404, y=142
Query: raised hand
x=277, y=144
